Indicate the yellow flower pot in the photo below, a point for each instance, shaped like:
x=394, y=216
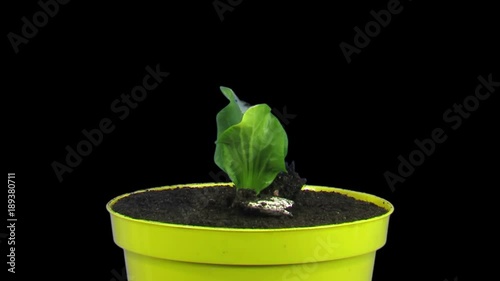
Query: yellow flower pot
x=157, y=251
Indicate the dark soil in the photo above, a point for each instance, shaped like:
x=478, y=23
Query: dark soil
x=224, y=206
x=213, y=206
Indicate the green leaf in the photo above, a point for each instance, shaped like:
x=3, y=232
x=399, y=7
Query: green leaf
x=252, y=150
x=231, y=114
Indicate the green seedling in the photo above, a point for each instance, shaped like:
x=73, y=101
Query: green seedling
x=251, y=143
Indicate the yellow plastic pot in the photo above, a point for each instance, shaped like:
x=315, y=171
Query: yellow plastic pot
x=160, y=251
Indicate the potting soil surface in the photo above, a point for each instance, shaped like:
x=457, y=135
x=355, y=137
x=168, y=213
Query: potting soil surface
x=212, y=206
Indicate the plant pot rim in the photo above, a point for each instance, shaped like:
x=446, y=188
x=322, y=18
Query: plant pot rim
x=359, y=195
x=247, y=246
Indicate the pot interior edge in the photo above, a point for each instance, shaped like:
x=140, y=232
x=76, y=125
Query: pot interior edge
x=356, y=194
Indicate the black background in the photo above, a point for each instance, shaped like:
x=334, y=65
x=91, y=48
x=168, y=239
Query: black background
x=351, y=120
